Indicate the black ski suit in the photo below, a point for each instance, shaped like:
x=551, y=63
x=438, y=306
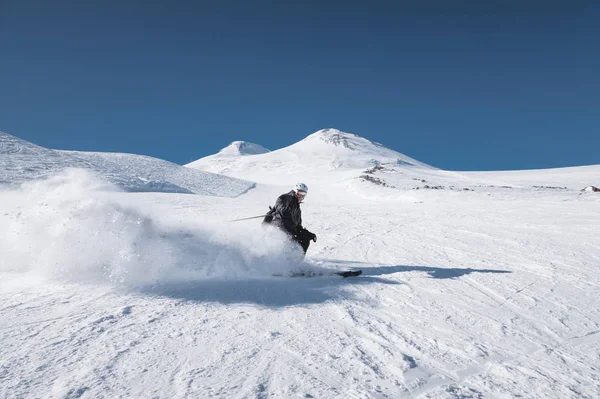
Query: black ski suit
x=286, y=215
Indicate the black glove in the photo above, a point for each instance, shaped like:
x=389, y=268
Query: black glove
x=313, y=236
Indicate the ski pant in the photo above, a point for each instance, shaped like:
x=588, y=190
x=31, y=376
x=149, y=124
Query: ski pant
x=302, y=238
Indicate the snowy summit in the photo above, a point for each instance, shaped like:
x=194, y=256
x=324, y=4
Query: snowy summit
x=241, y=148
x=336, y=137
x=353, y=151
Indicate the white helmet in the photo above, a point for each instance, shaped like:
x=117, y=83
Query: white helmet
x=301, y=187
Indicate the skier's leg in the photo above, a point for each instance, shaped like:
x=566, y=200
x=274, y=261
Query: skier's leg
x=304, y=243
x=303, y=240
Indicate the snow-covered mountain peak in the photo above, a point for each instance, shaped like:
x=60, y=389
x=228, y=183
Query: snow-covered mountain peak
x=238, y=148
x=349, y=150
x=338, y=138
x=334, y=137
x=323, y=151
x=351, y=141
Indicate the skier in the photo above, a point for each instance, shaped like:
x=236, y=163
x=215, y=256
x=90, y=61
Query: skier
x=287, y=216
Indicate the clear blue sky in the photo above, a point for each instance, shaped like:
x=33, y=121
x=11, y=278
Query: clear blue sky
x=463, y=85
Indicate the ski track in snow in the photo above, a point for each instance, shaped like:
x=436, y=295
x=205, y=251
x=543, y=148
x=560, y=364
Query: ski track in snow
x=491, y=293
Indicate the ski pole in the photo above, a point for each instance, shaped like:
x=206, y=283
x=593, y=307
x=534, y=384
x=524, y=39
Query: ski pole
x=253, y=217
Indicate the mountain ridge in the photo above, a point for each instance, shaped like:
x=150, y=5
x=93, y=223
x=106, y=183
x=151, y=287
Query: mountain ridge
x=22, y=160
x=324, y=150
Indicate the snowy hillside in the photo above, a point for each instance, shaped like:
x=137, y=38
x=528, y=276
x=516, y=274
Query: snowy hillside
x=21, y=161
x=474, y=285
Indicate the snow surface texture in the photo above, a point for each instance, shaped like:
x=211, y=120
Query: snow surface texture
x=485, y=292
x=21, y=161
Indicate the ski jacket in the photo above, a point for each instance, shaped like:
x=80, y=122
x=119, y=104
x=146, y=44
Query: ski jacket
x=286, y=214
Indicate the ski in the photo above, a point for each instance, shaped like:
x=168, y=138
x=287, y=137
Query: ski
x=346, y=273
x=350, y=273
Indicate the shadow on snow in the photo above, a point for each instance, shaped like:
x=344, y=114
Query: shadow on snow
x=434, y=272
x=268, y=292
x=279, y=292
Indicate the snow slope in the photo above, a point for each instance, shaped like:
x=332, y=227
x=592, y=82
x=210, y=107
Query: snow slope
x=486, y=292
x=21, y=161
